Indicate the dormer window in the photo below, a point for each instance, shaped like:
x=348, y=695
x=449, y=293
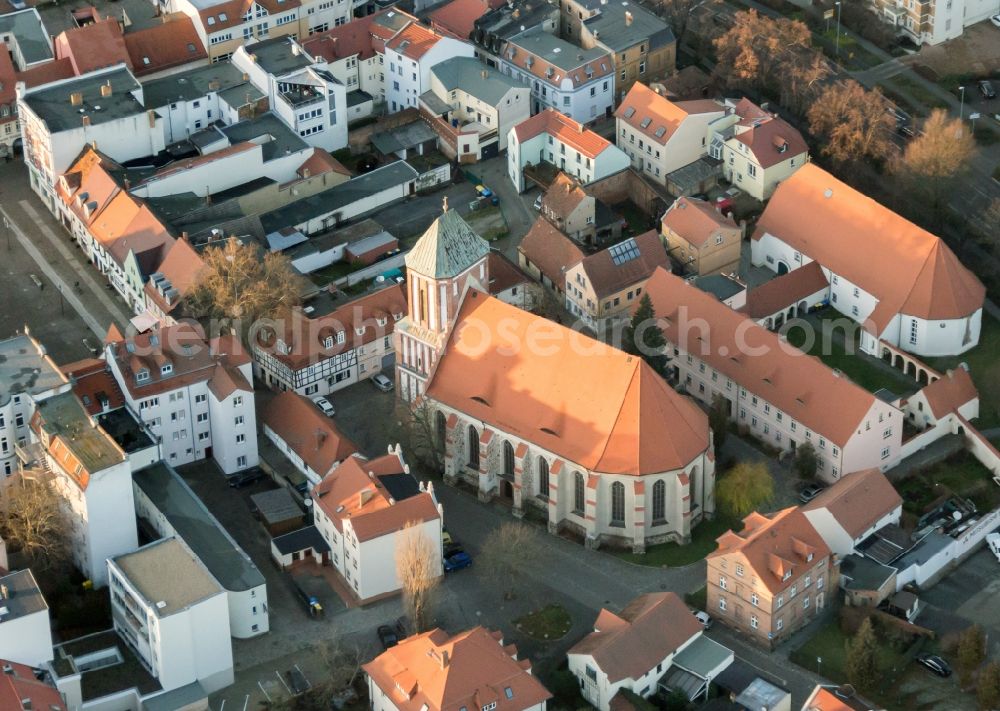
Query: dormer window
x=281, y=347
x=142, y=375
x=786, y=576
x=490, y=706
x=809, y=557
x=341, y=337
x=328, y=342
x=166, y=369
x=381, y=321
x=360, y=330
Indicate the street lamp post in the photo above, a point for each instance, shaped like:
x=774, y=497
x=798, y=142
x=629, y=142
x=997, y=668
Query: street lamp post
x=838, y=26
x=961, y=106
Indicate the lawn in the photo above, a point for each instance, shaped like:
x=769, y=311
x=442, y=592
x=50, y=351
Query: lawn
x=828, y=644
x=322, y=277
x=637, y=220
x=960, y=474
x=549, y=623
x=868, y=372
x=982, y=362
x=852, y=55
x=672, y=555
x=917, y=91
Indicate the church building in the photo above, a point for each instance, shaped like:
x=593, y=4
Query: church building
x=543, y=416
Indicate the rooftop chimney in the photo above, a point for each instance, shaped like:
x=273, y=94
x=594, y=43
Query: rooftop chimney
x=76, y=98
x=444, y=659
x=628, y=17
x=86, y=120
x=485, y=74
x=106, y=89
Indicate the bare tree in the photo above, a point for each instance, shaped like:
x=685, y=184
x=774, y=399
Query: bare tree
x=801, y=79
x=35, y=522
x=852, y=122
x=420, y=436
x=238, y=284
x=341, y=668
x=756, y=48
x=678, y=14
x=418, y=567
x=504, y=553
x=934, y=160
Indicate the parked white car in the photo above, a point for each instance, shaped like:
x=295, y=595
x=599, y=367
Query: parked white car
x=993, y=541
x=325, y=406
x=382, y=382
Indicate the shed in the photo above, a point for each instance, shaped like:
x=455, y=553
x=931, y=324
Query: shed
x=277, y=510
x=300, y=545
x=368, y=250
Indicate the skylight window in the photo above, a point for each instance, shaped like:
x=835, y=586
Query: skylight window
x=223, y=17
x=629, y=112
x=645, y=122
x=211, y=20
x=624, y=252
x=660, y=131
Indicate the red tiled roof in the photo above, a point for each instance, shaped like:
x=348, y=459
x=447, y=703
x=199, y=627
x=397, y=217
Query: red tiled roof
x=94, y=46
x=458, y=17
x=609, y=278
x=785, y=291
x=550, y=251
x=92, y=383
x=8, y=77
x=773, y=141
x=322, y=162
x=47, y=73
x=352, y=38
x=170, y=44
x=857, y=501
x=950, y=392
x=661, y=116
x=20, y=685
x=414, y=41
x=564, y=129
x=695, y=221
x=181, y=266
x=307, y=431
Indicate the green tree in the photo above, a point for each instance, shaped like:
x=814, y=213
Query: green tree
x=860, y=663
x=988, y=688
x=718, y=420
x=744, y=488
x=806, y=461
x=643, y=335
x=971, y=651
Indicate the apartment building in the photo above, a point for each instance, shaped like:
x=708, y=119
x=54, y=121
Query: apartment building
x=194, y=395
x=225, y=26
x=361, y=509
x=700, y=238
x=854, y=508
x=642, y=45
x=25, y=625
x=173, y=614
x=608, y=284
x=927, y=22
x=900, y=282
x=299, y=90
x=309, y=439
x=409, y=56
x=318, y=354
x=771, y=578
x=579, y=83
x=27, y=376
x=661, y=136
x=564, y=143
x=93, y=475
x=474, y=107
x=103, y=108
x=472, y=669
x=27, y=44
x=780, y=395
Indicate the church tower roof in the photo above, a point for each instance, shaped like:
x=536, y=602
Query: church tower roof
x=447, y=248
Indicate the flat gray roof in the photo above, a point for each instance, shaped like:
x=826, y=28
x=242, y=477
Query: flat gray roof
x=466, y=73
x=557, y=52
x=275, y=56
x=241, y=94
x=206, y=537
x=24, y=369
x=52, y=104
x=615, y=33
x=283, y=138
x=63, y=416
x=189, y=85
x=23, y=597
x=719, y=286
x=32, y=37
x=409, y=135
x=179, y=698
x=761, y=695
x=168, y=575
x=860, y=573
x=276, y=505
x=355, y=189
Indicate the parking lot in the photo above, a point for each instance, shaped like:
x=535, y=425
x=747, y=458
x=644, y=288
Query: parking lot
x=969, y=592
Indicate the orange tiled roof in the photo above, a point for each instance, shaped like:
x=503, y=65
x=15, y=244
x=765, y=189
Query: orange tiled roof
x=322, y=162
x=164, y=46
x=799, y=385
x=909, y=270
x=458, y=17
x=550, y=250
x=47, y=73
x=785, y=291
x=609, y=278
x=656, y=116
x=695, y=221
x=773, y=141
x=563, y=196
x=950, y=392
x=20, y=685
x=311, y=434
x=648, y=630
x=94, y=46
x=348, y=493
x=92, y=383
x=776, y=544
x=352, y=38
x=564, y=129
x=414, y=41
x=627, y=422
x=857, y=501
x=471, y=669
x=182, y=266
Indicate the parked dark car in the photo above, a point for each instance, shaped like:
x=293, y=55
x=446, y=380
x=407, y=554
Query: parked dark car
x=987, y=90
x=456, y=561
x=387, y=636
x=810, y=492
x=246, y=477
x=935, y=663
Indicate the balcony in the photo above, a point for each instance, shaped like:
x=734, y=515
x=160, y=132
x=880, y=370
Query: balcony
x=299, y=96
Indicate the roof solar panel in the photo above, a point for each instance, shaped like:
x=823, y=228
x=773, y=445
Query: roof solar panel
x=624, y=252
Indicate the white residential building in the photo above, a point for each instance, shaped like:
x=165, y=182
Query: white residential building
x=579, y=83
x=436, y=671
x=103, y=108
x=556, y=139
x=308, y=438
x=634, y=650
x=780, y=395
x=299, y=90
x=409, y=56
x=25, y=626
x=361, y=509
x=93, y=474
x=902, y=284
x=27, y=375
x=167, y=606
x=854, y=508
x=195, y=396
x=932, y=23
x=166, y=502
